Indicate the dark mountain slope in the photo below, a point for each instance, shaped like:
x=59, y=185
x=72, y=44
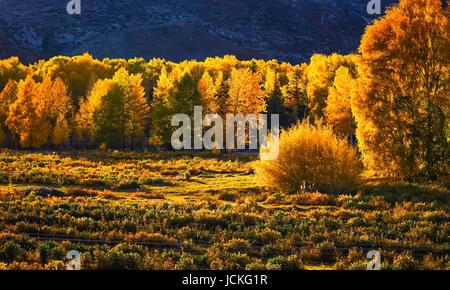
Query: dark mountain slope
x=289, y=30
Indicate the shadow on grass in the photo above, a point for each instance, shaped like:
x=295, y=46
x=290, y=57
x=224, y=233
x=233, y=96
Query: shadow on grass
x=400, y=191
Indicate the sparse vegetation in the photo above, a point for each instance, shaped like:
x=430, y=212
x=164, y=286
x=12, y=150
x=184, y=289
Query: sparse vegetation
x=212, y=221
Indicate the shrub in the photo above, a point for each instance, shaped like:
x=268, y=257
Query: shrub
x=228, y=196
x=311, y=157
x=405, y=261
x=78, y=191
x=151, y=195
x=129, y=184
x=10, y=251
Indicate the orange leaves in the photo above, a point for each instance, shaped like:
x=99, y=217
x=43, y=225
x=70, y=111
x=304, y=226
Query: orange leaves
x=39, y=112
x=12, y=69
x=57, y=106
x=246, y=94
x=311, y=157
x=7, y=97
x=402, y=104
x=27, y=117
x=207, y=90
x=338, y=112
x=321, y=74
x=115, y=111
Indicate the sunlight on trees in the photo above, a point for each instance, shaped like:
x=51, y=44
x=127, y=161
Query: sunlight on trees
x=401, y=101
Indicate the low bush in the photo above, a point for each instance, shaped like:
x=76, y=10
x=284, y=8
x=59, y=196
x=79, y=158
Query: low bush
x=313, y=158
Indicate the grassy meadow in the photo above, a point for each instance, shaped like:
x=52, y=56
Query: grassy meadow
x=89, y=160
x=178, y=210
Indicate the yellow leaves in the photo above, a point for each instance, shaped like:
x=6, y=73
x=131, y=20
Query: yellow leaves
x=246, y=94
x=311, y=157
x=402, y=91
x=61, y=131
x=114, y=112
x=207, y=89
x=321, y=73
x=37, y=110
x=12, y=69
x=338, y=111
x=7, y=97
x=56, y=106
x=271, y=80
x=26, y=116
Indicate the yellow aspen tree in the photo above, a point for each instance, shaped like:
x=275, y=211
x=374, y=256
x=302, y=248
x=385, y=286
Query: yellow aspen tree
x=246, y=96
x=7, y=97
x=57, y=106
x=61, y=131
x=115, y=111
x=161, y=109
x=207, y=89
x=26, y=117
x=321, y=73
x=401, y=100
x=136, y=109
x=84, y=119
x=12, y=69
x=338, y=112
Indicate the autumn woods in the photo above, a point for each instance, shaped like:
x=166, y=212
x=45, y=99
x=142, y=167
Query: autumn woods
x=87, y=162
x=391, y=99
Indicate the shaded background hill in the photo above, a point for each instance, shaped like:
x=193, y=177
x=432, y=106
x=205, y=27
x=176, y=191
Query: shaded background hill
x=288, y=30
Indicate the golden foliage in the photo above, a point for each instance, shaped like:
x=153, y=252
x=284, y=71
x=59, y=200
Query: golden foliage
x=27, y=115
x=338, y=112
x=245, y=93
x=311, y=157
x=401, y=99
x=115, y=111
x=321, y=74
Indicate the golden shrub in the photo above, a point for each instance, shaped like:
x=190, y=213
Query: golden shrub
x=311, y=158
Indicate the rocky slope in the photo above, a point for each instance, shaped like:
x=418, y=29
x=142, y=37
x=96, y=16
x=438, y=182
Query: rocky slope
x=288, y=30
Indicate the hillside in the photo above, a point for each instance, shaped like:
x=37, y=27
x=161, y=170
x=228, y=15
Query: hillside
x=288, y=30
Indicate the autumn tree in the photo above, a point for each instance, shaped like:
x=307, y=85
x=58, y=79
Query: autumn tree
x=338, y=112
x=12, y=69
x=7, y=97
x=27, y=115
x=161, y=109
x=136, y=109
x=295, y=91
x=79, y=73
x=246, y=96
x=208, y=92
x=401, y=100
x=275, y=102
x=115, y=111
x=221, y=95
x=176, y=93
x=320, y=77
x=56, y=109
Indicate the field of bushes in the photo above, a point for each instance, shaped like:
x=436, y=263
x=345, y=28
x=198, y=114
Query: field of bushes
x=171, y=210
